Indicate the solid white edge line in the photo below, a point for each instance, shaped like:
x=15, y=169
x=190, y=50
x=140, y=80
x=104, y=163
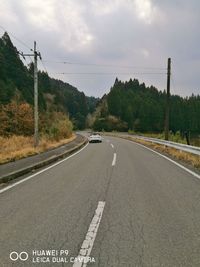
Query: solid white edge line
x=88, y=243
x=114, y=159
x=35, y=174
x=167, y=158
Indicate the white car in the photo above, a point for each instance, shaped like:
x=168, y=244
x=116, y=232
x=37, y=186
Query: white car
x=95, y=138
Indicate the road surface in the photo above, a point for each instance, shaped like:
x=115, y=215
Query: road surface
x=117, y=203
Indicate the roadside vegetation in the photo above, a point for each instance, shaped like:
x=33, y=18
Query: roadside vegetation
x=17, y=147
x=17, y=127
x=132, y=105
x=175, y=137
x=16, y=78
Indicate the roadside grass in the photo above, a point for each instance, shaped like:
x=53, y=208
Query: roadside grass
x=17, y=147
x=186, y=157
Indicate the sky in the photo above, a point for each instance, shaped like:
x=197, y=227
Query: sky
x=88, y=43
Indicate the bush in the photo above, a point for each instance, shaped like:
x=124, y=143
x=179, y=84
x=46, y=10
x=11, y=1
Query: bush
x=110, y=123
x=16, y=118
x=57, y=126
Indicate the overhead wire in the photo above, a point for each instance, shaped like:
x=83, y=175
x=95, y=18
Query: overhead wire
x=16, y=38
x=43, y=64
x=91, y=64
x=20, y=41
x=172, y=81
x=24, y=44
x=103, y=65
x=108, y=73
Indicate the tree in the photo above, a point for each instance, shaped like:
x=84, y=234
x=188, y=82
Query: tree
x=16, y=118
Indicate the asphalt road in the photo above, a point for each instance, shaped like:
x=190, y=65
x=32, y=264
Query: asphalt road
x=147, y=211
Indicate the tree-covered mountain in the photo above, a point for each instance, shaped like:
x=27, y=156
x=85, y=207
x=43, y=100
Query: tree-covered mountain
x=128, y=105
x=17, y=79
x=131, y=105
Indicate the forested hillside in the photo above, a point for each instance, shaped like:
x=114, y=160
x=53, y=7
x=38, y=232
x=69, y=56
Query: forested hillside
x=16, y=82
x=131, y=105
x=128, y=105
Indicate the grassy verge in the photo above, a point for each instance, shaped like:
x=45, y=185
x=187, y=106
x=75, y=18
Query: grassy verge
x=17, y=147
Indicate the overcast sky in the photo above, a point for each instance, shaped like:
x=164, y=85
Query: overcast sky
x=112, y=35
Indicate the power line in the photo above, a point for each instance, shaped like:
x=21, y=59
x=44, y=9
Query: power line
x=44, y=66
x=24, y=44
x=106, y=73
x=89, y=64
x=16, y=38
x=30, y=59
x=78, y=63
x=102, y=65
x=173, y=83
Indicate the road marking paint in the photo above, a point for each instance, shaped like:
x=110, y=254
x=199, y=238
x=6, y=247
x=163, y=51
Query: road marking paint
x=112, y=145
x=35, y=174
x=88, y=243
x=114, y=159
x=171, y=160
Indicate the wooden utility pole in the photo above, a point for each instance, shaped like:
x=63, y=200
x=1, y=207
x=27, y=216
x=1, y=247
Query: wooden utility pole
x=35, y=55
x=36, y=135
x=167, y=100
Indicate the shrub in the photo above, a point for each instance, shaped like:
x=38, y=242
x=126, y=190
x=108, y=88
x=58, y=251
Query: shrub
x=110, y=123
x=16, y=118
x=57, y=126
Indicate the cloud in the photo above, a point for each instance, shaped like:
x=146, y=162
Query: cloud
x=119, y=33
x=145, y=53
x=145, y=10
x=6, y=13
x=105, y=7
x=63, y=18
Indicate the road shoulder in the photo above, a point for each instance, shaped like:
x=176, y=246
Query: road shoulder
x=12, y=170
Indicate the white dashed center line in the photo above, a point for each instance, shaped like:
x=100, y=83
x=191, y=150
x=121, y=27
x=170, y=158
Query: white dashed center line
x=114, y=159
x=88, y=243
x=112, y=145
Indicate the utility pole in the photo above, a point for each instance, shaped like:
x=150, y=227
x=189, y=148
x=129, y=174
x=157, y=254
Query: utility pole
x=35, y=55
x=167, y=100
x=36, y=135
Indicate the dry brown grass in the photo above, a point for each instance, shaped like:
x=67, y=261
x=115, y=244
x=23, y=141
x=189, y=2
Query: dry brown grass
x=17, y=147
x=186, y=157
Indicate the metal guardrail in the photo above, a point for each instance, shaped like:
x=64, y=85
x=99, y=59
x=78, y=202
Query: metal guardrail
x=191, y=149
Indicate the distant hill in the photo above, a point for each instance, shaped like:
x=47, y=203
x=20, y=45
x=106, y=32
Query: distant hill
x=128, y=105
x=15, y=78
x=133, y=105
